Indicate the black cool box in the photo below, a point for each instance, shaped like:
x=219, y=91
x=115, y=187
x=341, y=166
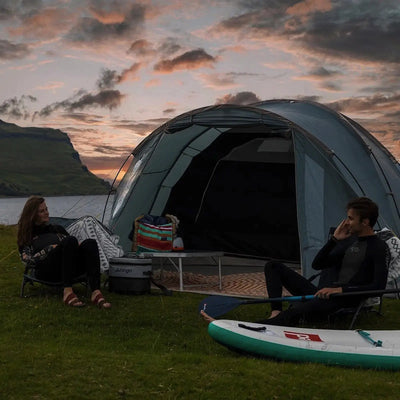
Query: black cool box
x=130, y=275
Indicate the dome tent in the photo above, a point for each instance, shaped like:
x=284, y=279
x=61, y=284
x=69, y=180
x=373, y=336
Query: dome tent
x=262, y=180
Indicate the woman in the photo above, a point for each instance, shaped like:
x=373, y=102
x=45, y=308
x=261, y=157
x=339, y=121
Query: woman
x=57, y=255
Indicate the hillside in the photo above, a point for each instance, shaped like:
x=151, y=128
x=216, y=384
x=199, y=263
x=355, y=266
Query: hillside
x=42, y=161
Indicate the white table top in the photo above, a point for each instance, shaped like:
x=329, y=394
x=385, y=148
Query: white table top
x=182, y=254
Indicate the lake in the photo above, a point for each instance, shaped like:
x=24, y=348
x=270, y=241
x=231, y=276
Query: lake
x=62, y=206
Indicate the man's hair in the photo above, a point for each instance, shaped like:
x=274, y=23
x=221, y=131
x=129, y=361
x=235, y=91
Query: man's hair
x=365, y=208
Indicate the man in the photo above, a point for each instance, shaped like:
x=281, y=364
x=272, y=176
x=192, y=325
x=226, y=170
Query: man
x=353, y=260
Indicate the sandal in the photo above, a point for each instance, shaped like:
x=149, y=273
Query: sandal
x=100, y=301
x=72, y=301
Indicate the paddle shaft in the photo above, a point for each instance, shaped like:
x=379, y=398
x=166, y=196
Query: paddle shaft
x=365, y=293
x=219, y=305
x=279, y=299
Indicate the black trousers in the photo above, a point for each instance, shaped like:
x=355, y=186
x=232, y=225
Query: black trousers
x=70, y=260
x=278, y=275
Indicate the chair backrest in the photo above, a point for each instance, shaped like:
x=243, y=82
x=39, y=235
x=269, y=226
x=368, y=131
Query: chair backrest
x=393, y=243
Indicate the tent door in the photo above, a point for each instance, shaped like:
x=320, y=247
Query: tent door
x=248, y=202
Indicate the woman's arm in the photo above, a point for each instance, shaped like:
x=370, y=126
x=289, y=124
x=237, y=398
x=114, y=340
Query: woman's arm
x=27, y=255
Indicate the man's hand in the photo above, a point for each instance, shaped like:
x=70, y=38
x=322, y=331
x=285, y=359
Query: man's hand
x=342, y=231
x=324, y=293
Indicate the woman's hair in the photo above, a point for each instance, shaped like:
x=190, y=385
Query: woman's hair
x=365, y=208
x=27, y=220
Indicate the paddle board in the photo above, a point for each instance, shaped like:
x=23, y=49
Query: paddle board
x=366, y=349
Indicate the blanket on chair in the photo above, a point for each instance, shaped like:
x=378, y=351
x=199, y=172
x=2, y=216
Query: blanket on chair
x=88, y=227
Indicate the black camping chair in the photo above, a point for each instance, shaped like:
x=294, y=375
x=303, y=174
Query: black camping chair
x=366, y=305
x=30, y=277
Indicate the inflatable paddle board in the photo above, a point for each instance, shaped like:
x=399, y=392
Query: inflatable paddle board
x=358, y=348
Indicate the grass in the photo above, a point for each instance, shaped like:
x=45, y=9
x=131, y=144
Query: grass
x=151, y=347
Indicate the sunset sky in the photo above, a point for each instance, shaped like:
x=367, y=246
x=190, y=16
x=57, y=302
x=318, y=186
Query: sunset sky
x=108, y=72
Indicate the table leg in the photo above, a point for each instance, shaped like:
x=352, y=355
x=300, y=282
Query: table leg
x=180, y=274
x=220, y=273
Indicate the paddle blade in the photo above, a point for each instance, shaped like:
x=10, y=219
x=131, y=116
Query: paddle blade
x=216, y=306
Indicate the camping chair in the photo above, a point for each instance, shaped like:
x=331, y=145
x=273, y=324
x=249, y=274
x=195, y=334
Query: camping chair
x=372, y=304
x=364, y=306
x=30, y=277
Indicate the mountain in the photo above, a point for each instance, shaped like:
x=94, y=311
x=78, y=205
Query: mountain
x=43, y=161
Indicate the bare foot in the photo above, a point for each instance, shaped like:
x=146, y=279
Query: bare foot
x=206, y=317
x=274, y=313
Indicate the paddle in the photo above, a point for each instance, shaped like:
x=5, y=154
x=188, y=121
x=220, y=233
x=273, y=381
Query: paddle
x=216, y=306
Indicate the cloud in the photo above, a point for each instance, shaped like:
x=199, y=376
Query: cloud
x=226, y=80
x=141, y=48
x=324, y=78
x=374, y=104
x=9, y=9
x=17, y=107
x=307, y=7
x=51, y=86
x=169, y=111
x=241, y=98
x=44, y=23
x=361, y=30
x=10, y=51
x=130, y=74
x=193, y=59
x=358, y=31
x=85, y=118
x=331, y=86
x=169, y=46
x=109, y=78
x=322, y=73
x=140, y=128
x=309, y=98
x=6, y=11
x=104, y=99
x=110, y=20
x=219, y=80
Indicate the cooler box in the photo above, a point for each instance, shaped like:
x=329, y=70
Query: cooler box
x=130, y=275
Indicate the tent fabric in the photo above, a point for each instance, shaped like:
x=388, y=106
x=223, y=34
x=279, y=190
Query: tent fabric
x=265, y=180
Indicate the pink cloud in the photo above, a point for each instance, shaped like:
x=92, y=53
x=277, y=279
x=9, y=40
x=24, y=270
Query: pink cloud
x=47, y=23
x=193, y=59
x=309, y=6
x=130, y=74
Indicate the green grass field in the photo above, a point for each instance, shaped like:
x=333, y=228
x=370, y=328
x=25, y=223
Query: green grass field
x=152, y=346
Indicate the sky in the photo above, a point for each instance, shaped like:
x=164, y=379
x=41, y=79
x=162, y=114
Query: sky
x=109, y=72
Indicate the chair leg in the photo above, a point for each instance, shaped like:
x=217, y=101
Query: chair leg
x=22, y=287
x=25, y=280
x=380, y=305
x=355, y=315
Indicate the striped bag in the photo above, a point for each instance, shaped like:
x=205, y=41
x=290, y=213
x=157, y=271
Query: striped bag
x=153, y=234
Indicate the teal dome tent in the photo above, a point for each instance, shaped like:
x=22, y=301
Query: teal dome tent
x=266, y=180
